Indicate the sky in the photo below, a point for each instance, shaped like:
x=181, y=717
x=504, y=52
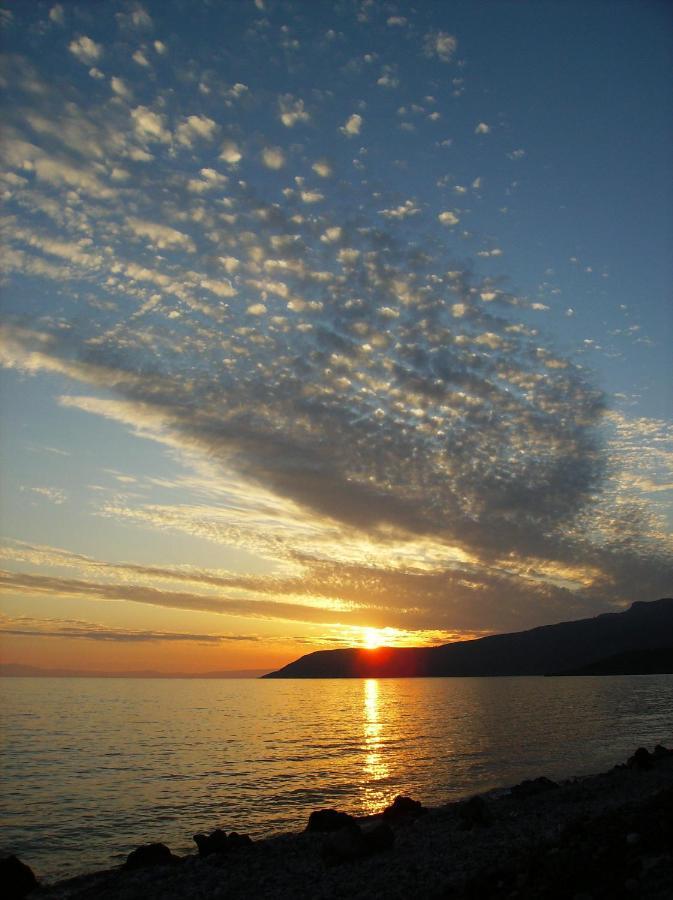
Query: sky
x=330, y=324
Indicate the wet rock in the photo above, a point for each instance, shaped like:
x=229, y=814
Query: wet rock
x=533, y=787
x=149, y=855
x=324, y=820
x=474, y=813
x=641, y=760
x=16, y=878
x=403, y=808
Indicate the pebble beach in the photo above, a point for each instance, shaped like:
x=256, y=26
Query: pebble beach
x=608, y=835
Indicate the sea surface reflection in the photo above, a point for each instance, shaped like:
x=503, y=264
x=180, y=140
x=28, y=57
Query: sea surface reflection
x=373, y=792
x=94, y=767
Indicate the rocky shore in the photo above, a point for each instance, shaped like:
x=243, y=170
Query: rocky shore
x=601, y=836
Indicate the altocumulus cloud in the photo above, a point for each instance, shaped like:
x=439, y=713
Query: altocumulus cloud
x=322, y=346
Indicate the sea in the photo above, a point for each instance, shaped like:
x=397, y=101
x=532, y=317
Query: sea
x=94, y=767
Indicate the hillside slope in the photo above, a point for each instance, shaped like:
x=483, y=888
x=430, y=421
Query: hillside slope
x=539, y=651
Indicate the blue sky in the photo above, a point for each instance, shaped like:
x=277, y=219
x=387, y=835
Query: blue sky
x=323, y=317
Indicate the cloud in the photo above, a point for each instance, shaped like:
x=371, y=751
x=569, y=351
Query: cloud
x=57, y=172
x=332, y=235
x=194, y=128
x=352, y=405
x=86, y=50
x=56, y=14
x=352, y=126
x=160, y=236
x=137, y=17
x=259, y=609
x=150, y=126
x=440, y=44
x=120, y=88
x=273, y=158
x=322, y=168
x=56, y=495
x=140, y=58
x=482, y=128
x=231, y=153
x=448, y=218
x=89, y=631
x=292, y=111
x=403, y=211
x=388, y=77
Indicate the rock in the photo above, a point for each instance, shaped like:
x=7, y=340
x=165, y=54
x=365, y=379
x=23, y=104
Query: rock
x=474, y=812
x=16, y=878
x=238, y=841
x=641, y=760
x=345, y=845
x=352, y=842
x=149, y=855
x=324, y=820
x=216, y=842
x=403, y=808
x=531, y=788
x=378, y=837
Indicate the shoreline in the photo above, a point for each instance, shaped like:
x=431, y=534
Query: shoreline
x=604, y=835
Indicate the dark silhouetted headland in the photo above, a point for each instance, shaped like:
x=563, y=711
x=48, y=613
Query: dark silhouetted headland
x=634, y=662
x=636, y=635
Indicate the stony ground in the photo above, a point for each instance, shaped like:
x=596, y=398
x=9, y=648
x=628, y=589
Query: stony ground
x=604, y=836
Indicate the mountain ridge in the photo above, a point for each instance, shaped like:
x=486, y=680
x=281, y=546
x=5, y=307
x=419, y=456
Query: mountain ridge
x=543, y=650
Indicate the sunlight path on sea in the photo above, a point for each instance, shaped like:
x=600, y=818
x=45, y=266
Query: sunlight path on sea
x=95, y=767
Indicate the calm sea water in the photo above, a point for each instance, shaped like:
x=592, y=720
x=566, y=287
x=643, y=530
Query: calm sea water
x=94, y=767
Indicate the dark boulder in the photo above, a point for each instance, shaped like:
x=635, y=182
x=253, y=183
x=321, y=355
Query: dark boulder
x=217, y=842
x=641, y=760
x=352, y=842
x=16, y=878
x=474, y=813
x=344, y=845
x=324, y=820
x=149, y=855
x=533, y=787
x=403, y=808
x=238, y=841
x=378, y=837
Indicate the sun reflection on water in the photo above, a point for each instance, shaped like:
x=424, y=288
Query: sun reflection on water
x=374, y=796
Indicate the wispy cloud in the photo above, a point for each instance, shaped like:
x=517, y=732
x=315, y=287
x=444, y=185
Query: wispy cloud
x=25, y=626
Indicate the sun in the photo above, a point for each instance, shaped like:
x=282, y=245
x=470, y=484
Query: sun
x=372, y=638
